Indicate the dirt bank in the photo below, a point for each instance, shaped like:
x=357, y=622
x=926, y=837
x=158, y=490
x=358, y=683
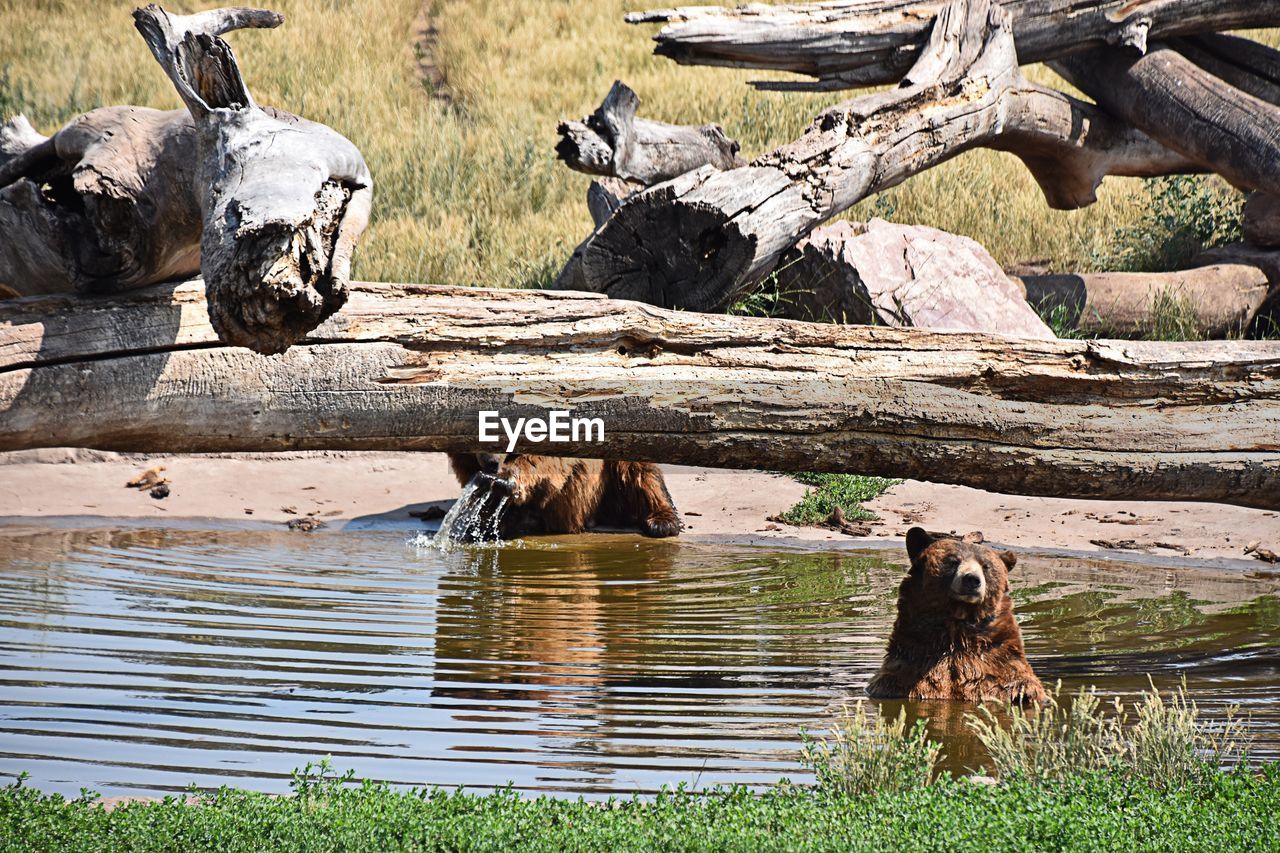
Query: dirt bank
x=357, y=490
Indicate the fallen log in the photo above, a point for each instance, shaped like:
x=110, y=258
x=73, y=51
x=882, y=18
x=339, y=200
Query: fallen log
x=105, y=204
x=704, y=238
x=613, y=142
x=267, y=204
x=408, y=367
x=1215, y=301
x=283, y=200
x=1261, y=225
x=856, y=43
x=1187, y=109
x=1248, y=66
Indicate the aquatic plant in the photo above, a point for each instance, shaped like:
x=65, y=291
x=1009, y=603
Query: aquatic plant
x=866, y=754
x=1166, y=741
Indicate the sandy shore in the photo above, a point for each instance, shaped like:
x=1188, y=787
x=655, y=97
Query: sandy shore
x=363, y=490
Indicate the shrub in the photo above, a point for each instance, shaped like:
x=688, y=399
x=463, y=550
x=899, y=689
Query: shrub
x=1185, y=214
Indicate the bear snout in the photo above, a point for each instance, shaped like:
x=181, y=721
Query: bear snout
x=498, y=485
x=970, y=583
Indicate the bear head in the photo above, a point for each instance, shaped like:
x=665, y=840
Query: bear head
x=957, y=574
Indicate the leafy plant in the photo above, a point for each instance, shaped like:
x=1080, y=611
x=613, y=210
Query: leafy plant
x=1185, y=214
x=831, y=491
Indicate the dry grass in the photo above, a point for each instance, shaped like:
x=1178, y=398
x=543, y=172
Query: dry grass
x=470, y=191
x=1165, y=740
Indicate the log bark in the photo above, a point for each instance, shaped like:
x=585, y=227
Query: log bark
x=1219, y=300
x=1248, y=66
x=613, y=142
x=283, y=200
x=1261, y=224
x=856, y=43
x=105, y=204
x=702, y=239
x=408, y=367
x=1187, y=109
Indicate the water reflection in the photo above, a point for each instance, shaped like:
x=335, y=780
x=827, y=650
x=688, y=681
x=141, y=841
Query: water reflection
x=142, y=660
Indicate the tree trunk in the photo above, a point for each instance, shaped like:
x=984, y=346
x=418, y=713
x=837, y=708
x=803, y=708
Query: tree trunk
x=1261, y=224
x=613, y=142
x=408, y=367
x=856, y=43
x=1183, y=106
x=106, y=204
x=1248, y=66
x=702, y=239
x=283, y=200
x=1214, y=301
x=267, y=205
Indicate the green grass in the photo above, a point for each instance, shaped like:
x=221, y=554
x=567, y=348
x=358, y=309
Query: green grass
x=846, y=491
x=1071, y=777
x=1222, y=811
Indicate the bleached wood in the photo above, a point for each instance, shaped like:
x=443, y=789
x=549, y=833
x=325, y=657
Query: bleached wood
x=614, y=142
x=120, y=209
x=283, y=200
x=855, y=43
x=1185, y=108
x=702, y=239
x=1217, y=300
x=408, y=367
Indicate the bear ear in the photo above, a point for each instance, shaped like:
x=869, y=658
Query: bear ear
x=1009, y=558
x=917, y=540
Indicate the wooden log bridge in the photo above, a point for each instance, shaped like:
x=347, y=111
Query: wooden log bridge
x=407, y=367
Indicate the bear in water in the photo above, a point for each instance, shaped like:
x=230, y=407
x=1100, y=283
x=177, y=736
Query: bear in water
x=552, y=494
x=956, y=636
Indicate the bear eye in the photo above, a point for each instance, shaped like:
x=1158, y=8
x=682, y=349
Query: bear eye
x=950, y=564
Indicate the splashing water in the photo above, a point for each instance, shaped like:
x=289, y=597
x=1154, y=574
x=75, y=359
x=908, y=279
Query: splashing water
x=476, y=517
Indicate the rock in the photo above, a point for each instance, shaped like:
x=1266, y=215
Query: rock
x=888, y=274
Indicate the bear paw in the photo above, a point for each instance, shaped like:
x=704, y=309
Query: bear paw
x=662, y=524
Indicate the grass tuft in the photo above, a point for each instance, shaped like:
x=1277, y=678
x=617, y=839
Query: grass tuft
x=866, y=754
x=1166, y=742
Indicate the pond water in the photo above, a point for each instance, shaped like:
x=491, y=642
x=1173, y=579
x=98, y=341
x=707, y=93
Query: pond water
x=143, y=660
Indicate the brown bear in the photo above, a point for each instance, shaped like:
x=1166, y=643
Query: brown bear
x=552, y=494
x=956, y=636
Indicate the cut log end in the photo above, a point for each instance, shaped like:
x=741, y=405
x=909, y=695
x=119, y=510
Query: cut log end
x=268, y=288
x=669, y=252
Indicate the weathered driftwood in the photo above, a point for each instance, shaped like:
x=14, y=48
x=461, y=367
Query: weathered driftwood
x=700, y=240
x=1262, y=220
x=105, y=204
x=1186, y=108
x=855, y=43
x=1219, y=300
x=408, y=367
x=613, y=142
x=889, y=274
x=283, y=200
x=1248, y=66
